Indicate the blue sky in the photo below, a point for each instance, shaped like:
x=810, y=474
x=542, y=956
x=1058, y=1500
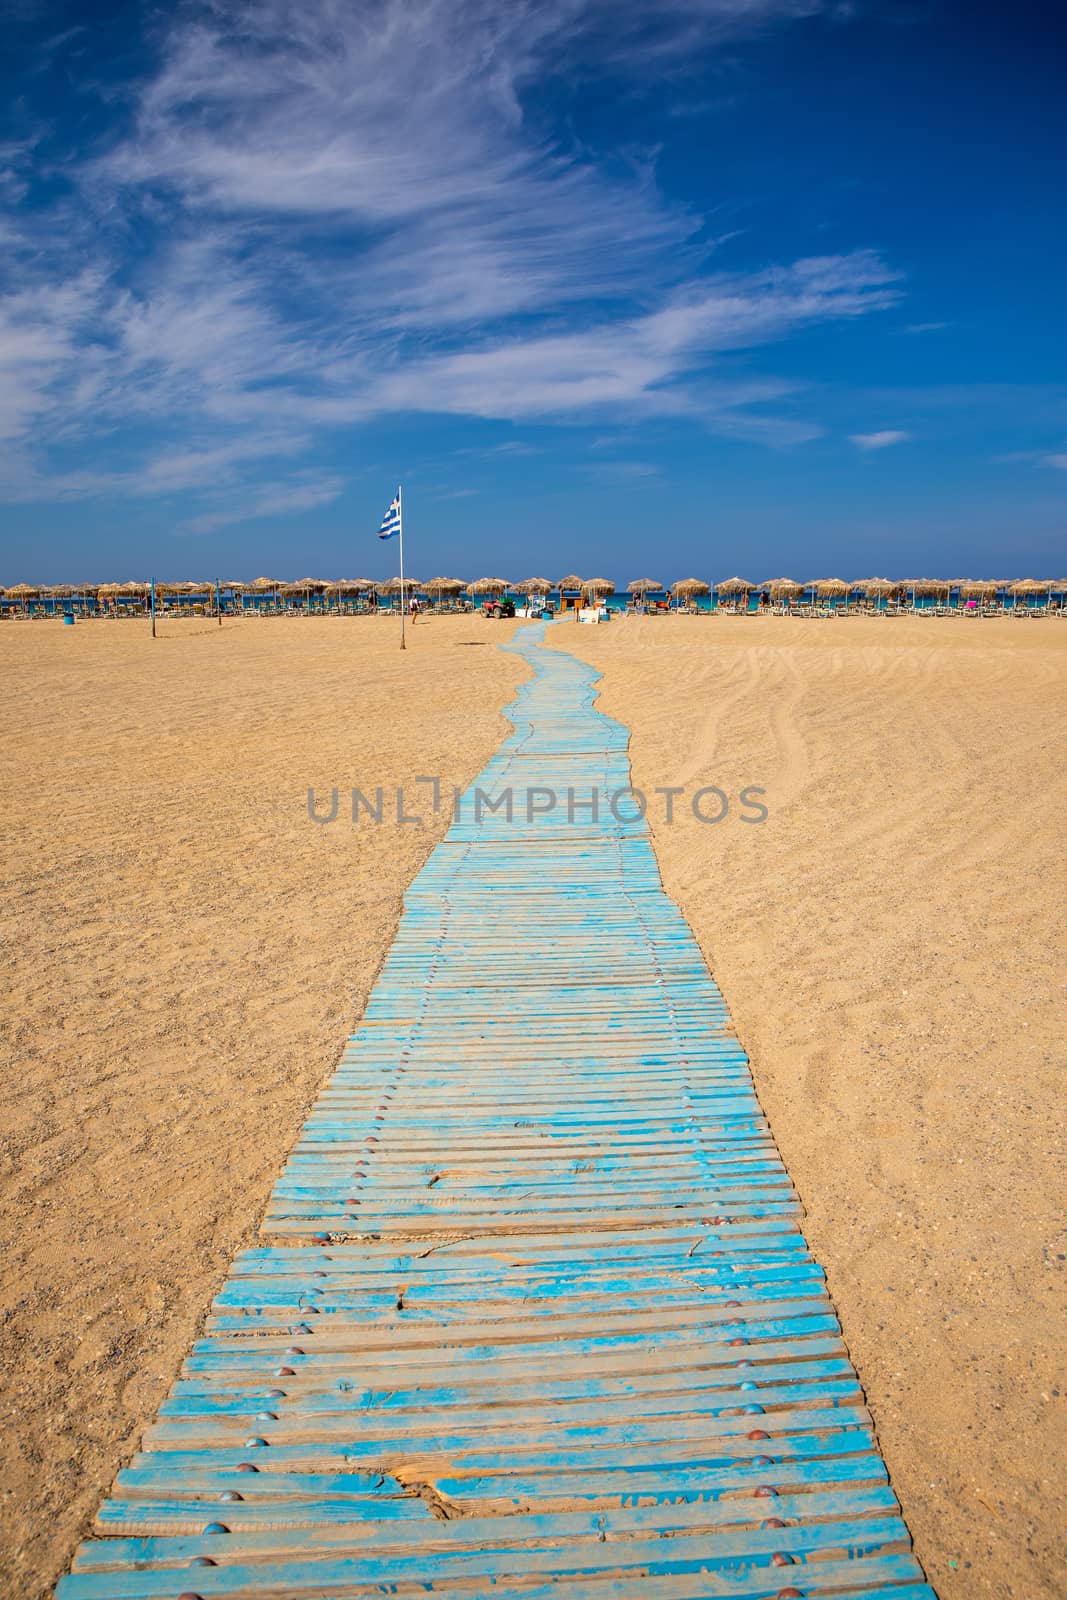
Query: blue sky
x=679, y=287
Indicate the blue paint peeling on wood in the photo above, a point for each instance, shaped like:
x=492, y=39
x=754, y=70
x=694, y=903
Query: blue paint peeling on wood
x=533, y=1311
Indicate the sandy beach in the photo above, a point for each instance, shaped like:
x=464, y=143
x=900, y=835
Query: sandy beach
x=183, y=953
x=891, y=944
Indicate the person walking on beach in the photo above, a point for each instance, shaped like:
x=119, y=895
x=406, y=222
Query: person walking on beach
x=413, y=607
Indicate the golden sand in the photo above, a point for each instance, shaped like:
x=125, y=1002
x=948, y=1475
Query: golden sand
x=184, y=951
x=891, y=944
x=182, y=954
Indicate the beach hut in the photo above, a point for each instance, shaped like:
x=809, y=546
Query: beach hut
x=570, y=592
x=735, y=591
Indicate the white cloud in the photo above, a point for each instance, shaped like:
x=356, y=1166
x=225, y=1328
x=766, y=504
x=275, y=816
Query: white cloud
x=1057, y=458
x=272, y=500
x=879, y=441
x=282, y=241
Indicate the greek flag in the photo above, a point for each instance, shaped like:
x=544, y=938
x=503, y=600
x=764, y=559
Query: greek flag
x=391, y=521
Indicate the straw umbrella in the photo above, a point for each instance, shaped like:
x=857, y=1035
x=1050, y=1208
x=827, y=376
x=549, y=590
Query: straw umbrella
x=876, y=589
x=830, y=588
x=643, y=586
x=488, y=586
x=534, y=586
x=734, y=588
x=1030, y=586
x=440, y=586
x=688, y=588
x=928, y=585
x=23, y=592
x=598, y=586
x=779, y=588
x=875, y=586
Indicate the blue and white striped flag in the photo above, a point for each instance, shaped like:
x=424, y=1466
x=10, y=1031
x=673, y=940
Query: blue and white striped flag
x=391, y=521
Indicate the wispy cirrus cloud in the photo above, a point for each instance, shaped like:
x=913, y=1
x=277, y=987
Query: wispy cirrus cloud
x=268, y=246
x=879, y=441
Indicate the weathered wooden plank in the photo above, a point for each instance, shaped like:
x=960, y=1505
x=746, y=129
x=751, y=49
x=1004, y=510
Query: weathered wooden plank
x=532, y=1311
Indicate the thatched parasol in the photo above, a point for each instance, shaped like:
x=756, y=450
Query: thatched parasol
x=262, y=585
x=350, y=585
x=109, y=588
x=488, y=586
x=926, y=585
x=829, y=586
x=643, y=586
x=534, y=586
x=445, y=586
x=734, y=586
x=978, y=589
x=595, y=586
x=776, y=587
x=875, y=586
x=571, y=581
x=1030, y=586
x=23, y=591
x=60, y=591
x=688, y=586
x=392, y=586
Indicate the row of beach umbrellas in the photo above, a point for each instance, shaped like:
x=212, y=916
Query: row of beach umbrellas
x=777, y=588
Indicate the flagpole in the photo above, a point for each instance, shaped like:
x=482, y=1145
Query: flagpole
x=400, y=508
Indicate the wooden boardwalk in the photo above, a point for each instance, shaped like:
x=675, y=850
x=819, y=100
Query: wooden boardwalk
x=532, y=1311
